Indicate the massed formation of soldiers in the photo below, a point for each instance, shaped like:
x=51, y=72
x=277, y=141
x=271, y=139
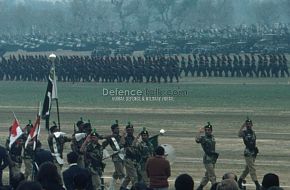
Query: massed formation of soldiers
x=130, y=153
x=144, y=69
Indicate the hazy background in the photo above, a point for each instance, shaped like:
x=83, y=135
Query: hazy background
x=90, y=16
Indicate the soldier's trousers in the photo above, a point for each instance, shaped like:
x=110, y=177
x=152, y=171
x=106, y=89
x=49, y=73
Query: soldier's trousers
x=81, y=161
x=249, y=168
x=96, y=182
x=209, y=175
x=131, y=173
x=28, y=168
x=119, y=170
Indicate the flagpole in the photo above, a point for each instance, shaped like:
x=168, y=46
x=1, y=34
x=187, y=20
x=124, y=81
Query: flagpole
x=57, y=110
x=52, y=57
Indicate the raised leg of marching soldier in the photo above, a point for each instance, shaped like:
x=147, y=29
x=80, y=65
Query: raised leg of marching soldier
x=28, y=168
x=131, y=174
x=249, y=168
x=209, y=176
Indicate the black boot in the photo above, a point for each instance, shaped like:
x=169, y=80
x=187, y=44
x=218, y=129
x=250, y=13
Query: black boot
x=200, y=187
x=258, y=186
x=240, y=183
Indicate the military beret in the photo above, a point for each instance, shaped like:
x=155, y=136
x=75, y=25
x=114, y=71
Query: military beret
x=129, y=126
x=52, y=128
x=144, y=132
x=208, y=126
x=94, y=133
x=115, y=125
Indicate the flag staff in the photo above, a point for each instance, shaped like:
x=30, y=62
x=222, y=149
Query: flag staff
x=52, y=57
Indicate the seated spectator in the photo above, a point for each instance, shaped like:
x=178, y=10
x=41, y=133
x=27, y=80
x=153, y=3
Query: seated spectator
x=158, y=170
x=270, y=180
x=48, y=177
x=76, y=177
x=16, y=180
x=227, y=184
x=230, y=175
x=184, y=182
x=29, y=185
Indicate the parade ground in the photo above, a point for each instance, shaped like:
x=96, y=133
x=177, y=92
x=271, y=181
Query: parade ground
x=178, y=108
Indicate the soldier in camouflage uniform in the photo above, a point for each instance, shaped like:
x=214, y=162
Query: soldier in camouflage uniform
x=250, y=153
x=94, y=155
x=78, y=139
x=130, y=163
x=145, y=150
x=56, y=141
x=28, y=153
x=15, y=155
x=114, y=142
x=207, y=142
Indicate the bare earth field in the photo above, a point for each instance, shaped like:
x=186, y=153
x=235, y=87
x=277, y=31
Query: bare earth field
x=225, y=102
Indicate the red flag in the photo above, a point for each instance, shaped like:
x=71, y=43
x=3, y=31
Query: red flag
x=15, y=132
x=34, y=131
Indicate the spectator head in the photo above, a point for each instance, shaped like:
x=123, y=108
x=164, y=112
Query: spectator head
x=72, y=157
x=270, y=180
x=48, y=174
x=227, y=184
x=159, y=151
x=230, y=175
x=17, y=179
x=29, y=185
x=184, y=182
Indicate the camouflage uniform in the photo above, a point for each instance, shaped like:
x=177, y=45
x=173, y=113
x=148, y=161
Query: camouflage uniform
x=114, y=142
x=28, y=154
x=145, y=150
x=56, y=145
x=250, y=153
x=94, y=157
x=210, y=156
x=130, y=158
x=15, y=152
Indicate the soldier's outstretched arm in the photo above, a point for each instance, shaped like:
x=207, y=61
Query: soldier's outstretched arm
x=198, y=135
x=241, y=131
x=84, y=145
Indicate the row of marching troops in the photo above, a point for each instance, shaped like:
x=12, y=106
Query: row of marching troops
x=143, y=69
x=129, y=156
x=272, y=65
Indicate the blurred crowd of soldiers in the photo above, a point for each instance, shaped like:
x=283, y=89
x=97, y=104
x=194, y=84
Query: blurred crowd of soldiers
x=129, y=153
x=144, y=69
x=230, y=39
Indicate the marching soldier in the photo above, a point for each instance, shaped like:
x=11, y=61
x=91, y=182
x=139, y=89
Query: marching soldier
x=210, y=157
x=250, y=153
x=145, y=150
x=15, y=155
x=130, y=157
x=56, y=141
x=94, y=155
x=114, y=141
x=78, y=139
x=28, y=153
